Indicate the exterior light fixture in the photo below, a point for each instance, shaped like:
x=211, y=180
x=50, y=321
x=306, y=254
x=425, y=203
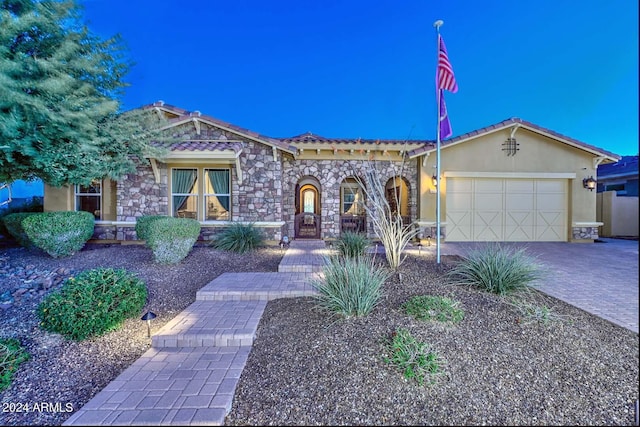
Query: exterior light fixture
x=434, y=178
x=284, y=243
x=148, y=316
x=589, y=183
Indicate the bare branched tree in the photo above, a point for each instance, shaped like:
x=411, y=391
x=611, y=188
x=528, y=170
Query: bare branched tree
x=388, y=224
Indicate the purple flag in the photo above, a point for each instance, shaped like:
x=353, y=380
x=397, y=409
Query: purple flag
x=445, y=124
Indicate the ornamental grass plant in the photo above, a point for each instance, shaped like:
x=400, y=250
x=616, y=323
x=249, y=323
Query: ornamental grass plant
x=497, y=269
x=351, y=287
x=417, y=360
x=239, y=238
x=434, y=307
x=352, y=245
x=12, y=354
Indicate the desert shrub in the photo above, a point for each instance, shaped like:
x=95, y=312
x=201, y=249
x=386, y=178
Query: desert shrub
x=239, y=238
x=59, y=233
x=416, y=359
x=496, y=269
x=12, y=354
x=92, y=303
x=33, y=205
x=352, y=244
x=434, y=307
x=350, y=286
x=171, y=239
x=143, y=223
x=13, y=224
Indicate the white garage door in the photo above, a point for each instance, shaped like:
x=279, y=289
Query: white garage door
x=506, y=209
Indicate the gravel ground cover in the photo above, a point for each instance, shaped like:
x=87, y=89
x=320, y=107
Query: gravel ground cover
x=62, y=375
x=501, y=368
x=307, y=368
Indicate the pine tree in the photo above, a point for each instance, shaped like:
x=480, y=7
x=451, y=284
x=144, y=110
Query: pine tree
x=60, y=86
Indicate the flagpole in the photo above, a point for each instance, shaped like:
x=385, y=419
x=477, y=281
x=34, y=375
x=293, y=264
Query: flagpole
x=437, y=25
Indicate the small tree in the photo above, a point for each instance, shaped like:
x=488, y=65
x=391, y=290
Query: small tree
x=60, y=117
x=388, y=225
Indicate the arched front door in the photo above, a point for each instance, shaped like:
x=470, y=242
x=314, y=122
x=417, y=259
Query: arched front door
x=307, y=217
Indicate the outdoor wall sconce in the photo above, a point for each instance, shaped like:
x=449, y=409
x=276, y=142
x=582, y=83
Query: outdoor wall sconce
x=284, y=243
x=589, y=183
x=434, y=178
x=148, y=316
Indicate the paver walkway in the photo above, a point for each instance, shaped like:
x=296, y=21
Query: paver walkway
x=189, y=375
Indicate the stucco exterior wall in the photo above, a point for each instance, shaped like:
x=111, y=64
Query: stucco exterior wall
x=537, y=154
x=619, y=215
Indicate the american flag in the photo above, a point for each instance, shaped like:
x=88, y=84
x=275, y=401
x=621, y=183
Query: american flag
x=446, y=79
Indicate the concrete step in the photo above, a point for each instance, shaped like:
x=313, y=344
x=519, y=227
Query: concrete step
x=304, y=256
x=212, y=323
x=263, y=286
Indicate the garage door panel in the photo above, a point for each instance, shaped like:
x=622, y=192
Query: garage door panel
x=550, y=186
x=460, y=185
x=519, y=233
x=522, y=202
x=506, y=209
x=553, y=202
x=519, y=186
x=487, y=234
x=489, y=186
x=488, y=201
x=459, y=226
x=460, y=201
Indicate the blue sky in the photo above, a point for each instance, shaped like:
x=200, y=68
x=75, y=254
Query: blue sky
x=341, y=68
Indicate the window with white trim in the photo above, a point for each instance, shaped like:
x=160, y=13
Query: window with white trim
x=217, y=194
x=201, y=193
x=352, y=198
x=88, y=198
x=184, y=192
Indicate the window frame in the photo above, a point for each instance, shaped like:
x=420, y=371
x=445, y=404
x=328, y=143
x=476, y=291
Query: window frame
x=98, y=195
x=205, y=194
x=201, y=202
x=354, y=187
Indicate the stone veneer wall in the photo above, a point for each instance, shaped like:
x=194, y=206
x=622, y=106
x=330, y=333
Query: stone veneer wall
x=584, y=233
x=258, y=198
x=138, y=194
x=330, y=174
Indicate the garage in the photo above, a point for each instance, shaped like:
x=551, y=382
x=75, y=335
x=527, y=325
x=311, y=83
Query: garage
x=506, y=209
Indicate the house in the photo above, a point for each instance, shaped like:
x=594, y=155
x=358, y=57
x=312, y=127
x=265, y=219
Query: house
x=20, y=193
x=621, y=177
x=512, y=181
x=617, y=198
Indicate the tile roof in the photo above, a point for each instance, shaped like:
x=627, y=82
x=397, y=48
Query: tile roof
x=185, y=115
x=626, y=166
x=509, y=122
x=290, y=144
x=201, y=146
x=310, y=138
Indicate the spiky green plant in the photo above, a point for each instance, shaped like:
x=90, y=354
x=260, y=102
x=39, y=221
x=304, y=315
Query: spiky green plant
x=12, y=354
x=350, y=286
x=497, y=269
x=434, y=307
x=416, y=359
x=239, y=237
x=352, y=245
